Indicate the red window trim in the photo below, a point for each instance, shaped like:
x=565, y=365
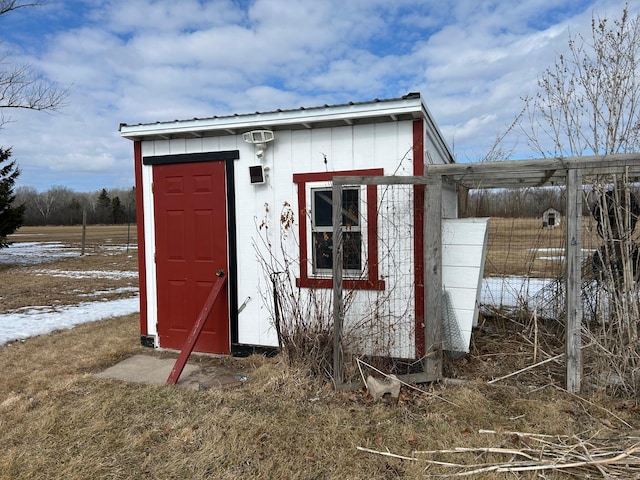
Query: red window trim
x=371, y=282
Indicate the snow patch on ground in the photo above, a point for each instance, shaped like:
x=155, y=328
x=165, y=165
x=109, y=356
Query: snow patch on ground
x=39, y=320
x=113, y=274
x=34, y=253
x=512, y=291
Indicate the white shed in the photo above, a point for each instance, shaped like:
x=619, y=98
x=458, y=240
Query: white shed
x=551, y=218
x=205, y=185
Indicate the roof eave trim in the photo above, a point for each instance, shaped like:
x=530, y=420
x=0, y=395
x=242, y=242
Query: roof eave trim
x=411, y=106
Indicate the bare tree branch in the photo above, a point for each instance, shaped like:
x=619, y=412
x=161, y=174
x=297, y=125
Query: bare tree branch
x=588, y=102
x=10, y=5
x=22, y=87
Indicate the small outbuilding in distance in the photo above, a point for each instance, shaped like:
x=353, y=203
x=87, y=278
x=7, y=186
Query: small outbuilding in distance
x=551, y=218
x=209, y=190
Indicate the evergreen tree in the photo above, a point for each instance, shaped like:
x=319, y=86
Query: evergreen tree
x=117, y=210
x=103, y=208
x=11, y=216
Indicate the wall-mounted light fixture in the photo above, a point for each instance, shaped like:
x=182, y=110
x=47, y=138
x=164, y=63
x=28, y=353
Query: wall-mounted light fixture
x=259, y=138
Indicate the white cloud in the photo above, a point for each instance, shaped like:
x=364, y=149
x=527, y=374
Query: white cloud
x=146, y=60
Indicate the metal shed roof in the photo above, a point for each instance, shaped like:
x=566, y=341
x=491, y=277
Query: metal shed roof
x=407, y=107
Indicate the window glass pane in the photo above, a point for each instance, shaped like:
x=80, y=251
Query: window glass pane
x=350, y=208
x=323, y=240
x=322, y=208
x=352, y=251
x=323, y=250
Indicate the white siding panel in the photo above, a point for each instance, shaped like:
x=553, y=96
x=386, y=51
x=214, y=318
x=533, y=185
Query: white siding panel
x=161, y=147
x=150, y=244
x=210, y=144
x=465, y=231
x=463, y=254
x=146, y=148
x=193, y=145
x=321, y=147
x=363, y=147
x=177, y=146
x=342, y=148
x=462, y=277
x=390, y=149
x=231, y=142
x=449, y=202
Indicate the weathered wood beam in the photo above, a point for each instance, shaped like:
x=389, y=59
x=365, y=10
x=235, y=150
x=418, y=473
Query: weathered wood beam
x=536, y=172
x=338, y=307
x=381, y=180
x=573, y=279
x=432, y=363
x=595, y=162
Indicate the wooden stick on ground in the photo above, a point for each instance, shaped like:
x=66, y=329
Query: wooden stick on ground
x=556, y=357
x=554, y=466
x=386, y=454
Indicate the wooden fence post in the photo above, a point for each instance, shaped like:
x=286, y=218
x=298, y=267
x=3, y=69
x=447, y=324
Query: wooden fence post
x=573, y=278
x=84, y=230
x=338, y=307
x=432, y=363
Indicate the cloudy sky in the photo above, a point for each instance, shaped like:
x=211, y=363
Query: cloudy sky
x=132, y=61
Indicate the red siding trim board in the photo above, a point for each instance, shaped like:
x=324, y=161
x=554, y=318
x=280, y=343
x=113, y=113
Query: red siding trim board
x=418, y=239
x=371, y=282
x=142, y=266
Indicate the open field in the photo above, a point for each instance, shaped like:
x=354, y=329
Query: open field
x=520, y=246
x=36, y=283
x=57, y=420
x=95, y=235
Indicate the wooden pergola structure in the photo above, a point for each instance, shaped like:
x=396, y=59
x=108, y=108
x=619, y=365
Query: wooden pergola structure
x=570, y=172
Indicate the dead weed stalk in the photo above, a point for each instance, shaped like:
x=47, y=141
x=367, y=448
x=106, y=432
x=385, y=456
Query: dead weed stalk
x=615, y=269
x=302, y=317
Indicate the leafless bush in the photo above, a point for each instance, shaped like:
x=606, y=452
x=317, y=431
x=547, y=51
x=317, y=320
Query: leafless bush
x=302, y=317
x=615, y=269
x=379, y=321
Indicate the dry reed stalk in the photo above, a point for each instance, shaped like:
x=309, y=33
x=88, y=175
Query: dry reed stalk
x=616, y=359
x=556, y=357
x=573, y=453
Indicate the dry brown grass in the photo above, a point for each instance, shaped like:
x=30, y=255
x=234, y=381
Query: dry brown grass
x=520, y=246
x=59, y=421
x=33, y=285
x=95, y=235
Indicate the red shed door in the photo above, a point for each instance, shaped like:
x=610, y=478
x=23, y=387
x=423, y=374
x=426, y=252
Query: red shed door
x=191, y=246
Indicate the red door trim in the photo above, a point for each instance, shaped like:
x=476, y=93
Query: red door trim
x=418, y=237
x=142, y=264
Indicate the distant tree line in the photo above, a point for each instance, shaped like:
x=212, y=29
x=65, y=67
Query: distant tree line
x=527, y=202
x=514, y=202
x=62, y=206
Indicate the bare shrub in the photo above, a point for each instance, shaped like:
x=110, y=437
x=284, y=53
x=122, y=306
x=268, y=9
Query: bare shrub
x=615, y=270
x=302, y=317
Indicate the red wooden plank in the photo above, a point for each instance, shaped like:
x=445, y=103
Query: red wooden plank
x=195, y=331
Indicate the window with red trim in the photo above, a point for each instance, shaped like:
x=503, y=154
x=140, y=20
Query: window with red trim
x=315, y=228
